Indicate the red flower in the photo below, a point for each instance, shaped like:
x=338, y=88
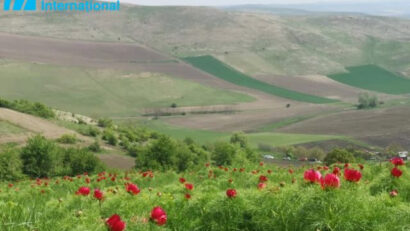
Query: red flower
x=397, y=161
x=330, y=181
x=115, y=223
x=269, y=171
x=158, y=215
x=263, y=178
x=290, y=171
x=83, y=191
x=325, y=168
x=396, y=172
x=336, y=171
x=189, y=186
x=312, y=176
x=87, y=180
x=207, y=164
x=261, y=186
x=182, y=180
x=188, y=196
x=132, y=188
x=394, y=193
x=352, y=175
x=260, y=163
x=347, y=165
x=231, y=193
x=98, y=194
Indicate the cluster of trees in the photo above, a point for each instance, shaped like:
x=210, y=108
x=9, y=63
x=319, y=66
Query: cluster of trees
x=44, y=158
x=37, y=109
x=367, y=101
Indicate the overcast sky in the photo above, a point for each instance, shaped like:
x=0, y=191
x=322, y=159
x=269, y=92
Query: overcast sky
x=234, y=2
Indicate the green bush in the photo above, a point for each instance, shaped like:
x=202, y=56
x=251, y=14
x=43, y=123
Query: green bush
x=339, y=155
x=77, y=161
x=10, y=165
x=105, y=123
x=39, y=157
x=67, y=139
x=223, y=153
x=95, y=147
x=110, y=137
x=37, y=109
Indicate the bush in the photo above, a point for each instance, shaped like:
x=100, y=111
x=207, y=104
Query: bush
x=110, y=137
x=10, y=165
x=90, y=131
x=37, y=109
x=39, y=157
x=223, y=153
x=367, y=101
x=239, y=138
x=67, y=139
x=95, y=147
x=105, y=123
x=339, y=155
x=78, y=161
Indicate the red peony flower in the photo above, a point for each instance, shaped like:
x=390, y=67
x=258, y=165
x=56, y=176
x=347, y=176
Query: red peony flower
x=352, y=175
x=159, y=216
x=336, y=171
x=87, y=180
x=347, y=165
x=330, y=181
x=182, y=180
x=394, y=193
x=132, y=188
x=263, y=178
x=98, y=194
x=231, y=193
x=261, y=163
x=290, y=171
x=397, y=161
x=396, y=172
x=115, y=223
x=312, y=176
x=261, y=186
x=189, y=186
x=188, y=196
x=84, y=191
x=361, y=166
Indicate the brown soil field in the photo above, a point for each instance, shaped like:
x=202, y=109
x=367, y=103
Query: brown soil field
x=379, y=127
x=246, y=120
x=320, y=85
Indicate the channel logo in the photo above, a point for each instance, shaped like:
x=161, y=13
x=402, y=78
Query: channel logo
x=26, y=5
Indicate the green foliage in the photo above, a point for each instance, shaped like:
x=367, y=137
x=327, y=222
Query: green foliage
x=224, y=153
x=221, y=70
x=110, y=136
x=37, y=109
x=79, y=161
x=10, y=165
x=339, y=155
x=39, y=157
x=67, y=139
x=90, y=131
x=366, y=101
x=239, y=138
x=95, y=146
x=105, y=123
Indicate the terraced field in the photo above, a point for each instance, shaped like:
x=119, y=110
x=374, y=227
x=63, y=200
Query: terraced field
x=215, y=67
x=374, y=78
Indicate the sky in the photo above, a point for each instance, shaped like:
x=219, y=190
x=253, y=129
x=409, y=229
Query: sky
x=234, y=2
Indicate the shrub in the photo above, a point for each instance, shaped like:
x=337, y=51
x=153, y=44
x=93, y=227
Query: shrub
x=37, y=109
x=78, y=161
x=223, y=153
x=367, y=101
x=10, y=165
x=239, y=138
x=105, y=123
x=39, y=157
x=95, y=147
x=339, y=155
x=67, y=139
x=90, y=131
x=110, y=137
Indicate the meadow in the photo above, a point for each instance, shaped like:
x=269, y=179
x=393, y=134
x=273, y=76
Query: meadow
x=374, y=78
x=8, y=128
x=124, y=93
x=217, y=68
x=264, y=197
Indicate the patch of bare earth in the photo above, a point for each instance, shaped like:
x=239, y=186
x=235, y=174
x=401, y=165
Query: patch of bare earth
x=379, y=127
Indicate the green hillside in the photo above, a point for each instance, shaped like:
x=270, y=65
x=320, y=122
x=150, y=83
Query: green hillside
x=223, y=71
x=371, y=77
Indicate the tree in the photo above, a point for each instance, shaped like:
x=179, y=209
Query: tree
x=10, y=165
x=239, y=138
x=339, y=155
x=367, y=101
x=39, y=157
x=223, y=153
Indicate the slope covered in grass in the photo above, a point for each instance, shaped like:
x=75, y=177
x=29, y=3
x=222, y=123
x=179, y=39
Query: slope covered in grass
x=7, y=128
x=105, y=92
x=371, y=77
x=217, y=68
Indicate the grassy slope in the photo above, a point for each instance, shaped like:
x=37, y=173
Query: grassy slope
x=104, y=92
x=221, y=70
x=8, y=128
x=267, y=138
x=374, y=78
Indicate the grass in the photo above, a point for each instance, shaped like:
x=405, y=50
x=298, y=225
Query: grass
x=105, y=92
x=375, y=78
x=8, y=128
x=286, y=203
x=267, y=138
x=217, y=68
